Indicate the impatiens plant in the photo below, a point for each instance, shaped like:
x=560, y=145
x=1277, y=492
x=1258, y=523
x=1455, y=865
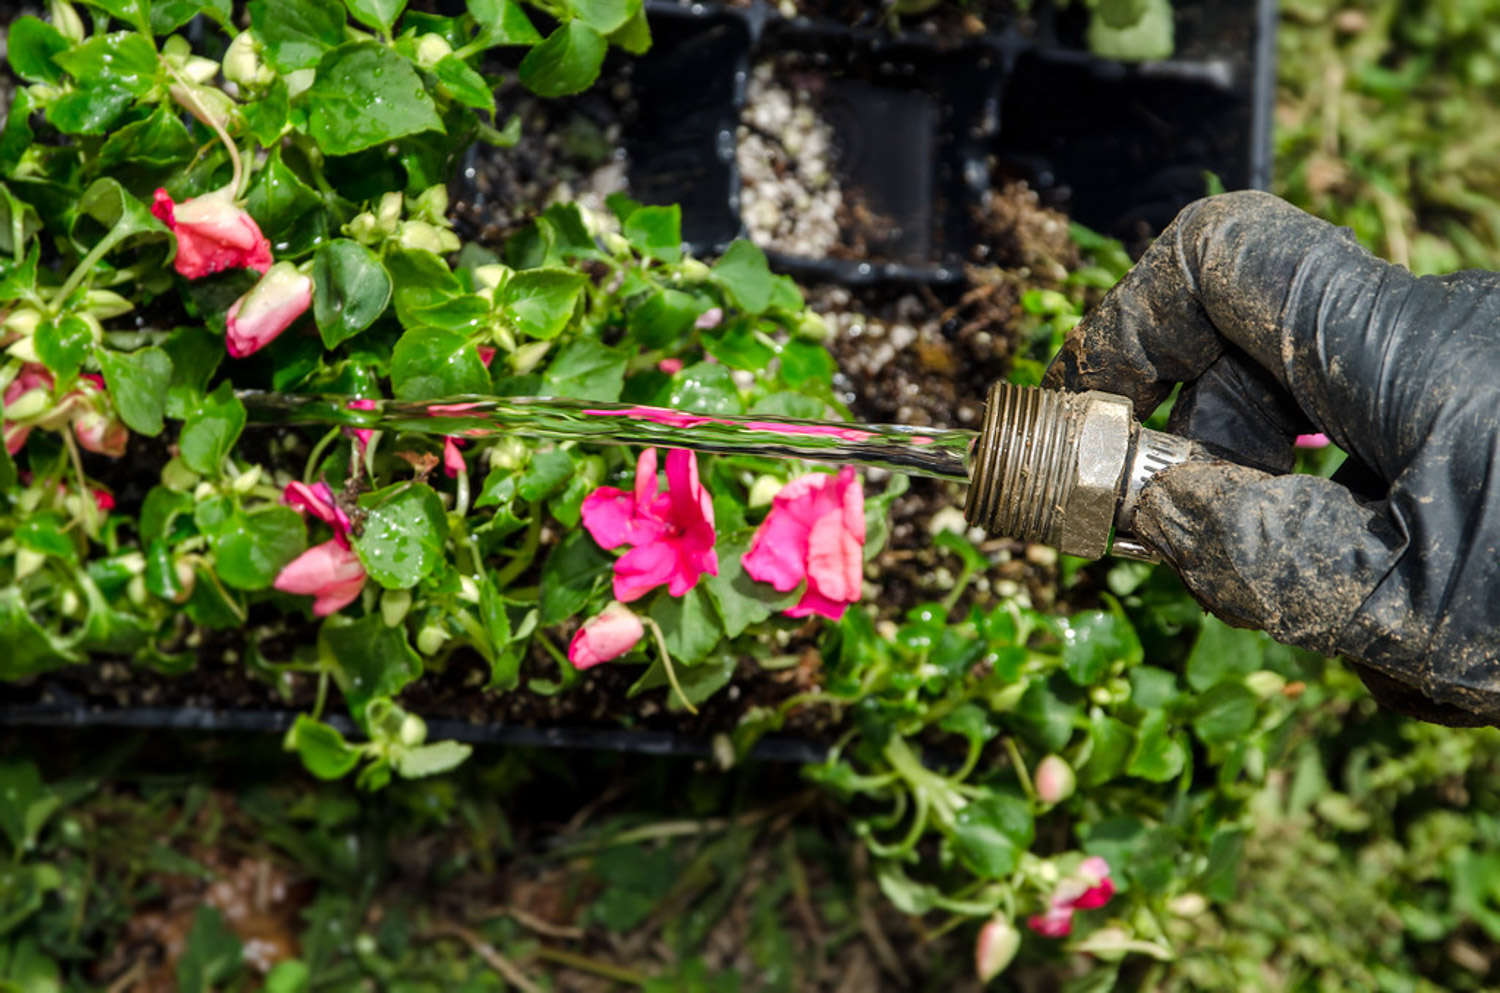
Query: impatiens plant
x=267, y=210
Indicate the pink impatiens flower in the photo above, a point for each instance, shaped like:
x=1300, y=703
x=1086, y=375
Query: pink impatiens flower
x=267, y=309
x=1089, y=888
x=453, y=460
x=1312, y=441
x=672, y=532
x=814, y=532
x=331, y=571
x=212, y=234
x=607, y=635
x=32, y=379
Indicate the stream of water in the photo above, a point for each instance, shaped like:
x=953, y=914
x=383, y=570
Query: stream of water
x=942, y=453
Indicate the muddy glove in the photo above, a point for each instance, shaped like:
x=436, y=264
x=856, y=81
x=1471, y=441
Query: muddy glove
x=1280, y=324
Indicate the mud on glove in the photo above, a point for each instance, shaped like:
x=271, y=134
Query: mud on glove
x=1279, y=324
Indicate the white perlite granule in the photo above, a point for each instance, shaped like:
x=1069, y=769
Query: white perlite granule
x=790, y=197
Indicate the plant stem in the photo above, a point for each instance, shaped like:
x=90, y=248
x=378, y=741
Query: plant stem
x=79, y=272
x=196, y=108
x=527, y=551
x=583, y=963
x=666, y=663
x=1021, y=772
x=317, y=453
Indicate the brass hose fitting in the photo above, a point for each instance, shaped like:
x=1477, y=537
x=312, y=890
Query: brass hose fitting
x=1065, y=469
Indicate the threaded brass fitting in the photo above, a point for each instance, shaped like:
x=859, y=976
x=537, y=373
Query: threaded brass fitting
x=1064, y=469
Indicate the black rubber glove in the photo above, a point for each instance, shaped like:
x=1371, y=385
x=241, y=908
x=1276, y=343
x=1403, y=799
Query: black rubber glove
x=1280, y=324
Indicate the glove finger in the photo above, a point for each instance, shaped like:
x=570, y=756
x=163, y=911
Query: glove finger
x=1238, y=411
x=1295, y=556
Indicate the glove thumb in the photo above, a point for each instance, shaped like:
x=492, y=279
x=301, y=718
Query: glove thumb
x=1294, y=556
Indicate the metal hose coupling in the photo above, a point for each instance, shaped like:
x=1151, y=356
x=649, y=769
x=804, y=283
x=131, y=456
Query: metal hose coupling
x=1065, y=469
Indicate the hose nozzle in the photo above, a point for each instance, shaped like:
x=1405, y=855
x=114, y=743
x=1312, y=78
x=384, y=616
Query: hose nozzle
x=1065, y=469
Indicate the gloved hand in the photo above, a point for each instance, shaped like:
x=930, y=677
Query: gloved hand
x=1280, y=324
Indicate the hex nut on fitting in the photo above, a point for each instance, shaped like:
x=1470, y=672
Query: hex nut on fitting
x=1102, y=450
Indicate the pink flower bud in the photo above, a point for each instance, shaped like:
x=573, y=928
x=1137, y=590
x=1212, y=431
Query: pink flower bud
x=709, y=319
x=1054, y=780
x=1312, y=441
x=996, y=946
x=1057, y=922
x=318, y=500
x=670, y=366
x=101, y=434
x=608, y=635
x=453, y=461
x=268, y=309
x=331, y=572
x=212, y=234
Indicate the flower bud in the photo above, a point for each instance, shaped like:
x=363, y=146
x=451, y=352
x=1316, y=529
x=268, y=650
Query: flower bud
x=488, y=278
x=247, y=480
x=65, y=19
x=616, y=245
x=70, y=604
x=509, y=453
x=430, y=639
x=432, y=49
x=1055, y=780
x=413, y=731
x=764, y=490
x=1265, y=684
x=29, y=405
x=812, y=327
x=420, y=236
x=388, y=214
x=187, y=578
x=197, y=69
x=995, y=948
x=243, y=65
x=529, y=356
x=693, y=271
x=22, y=321
x=176, y=476
x=136, y=591
x=208, y=104
x=393, y=606
x=432, y=203
x=24, y=349
x=203, y=491
x=28, y=561
x=104, y=304
x=364, y=229
x=267, y=309
x=468, y=589
x=298, y=81
x=101, y=434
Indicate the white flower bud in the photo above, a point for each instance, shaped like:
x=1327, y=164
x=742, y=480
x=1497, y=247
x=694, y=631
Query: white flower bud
x=203, y=491
x=529, y=356
x=364, y=229
x=693, y=271
x=764, y=490
x=104, y=304
x=22, y=321
x=388, y=214
x=247, y=480
x=468, y=589
x=243, y=65
x=488, y=278
x=136, y=591
x=432, y=49
x=28, y=561
x=413, y=731
x=430, y=639
x=424, y=237
x=65, y=19
x=197, y=69
x=393, y=606
x=29, y=406
x=995, y=948
x=24, y=349
x=299, y=81
x=432, y=203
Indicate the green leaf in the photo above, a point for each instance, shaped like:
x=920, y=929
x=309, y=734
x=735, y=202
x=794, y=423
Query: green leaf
x=30, y=46
x=502, y=22
x=688, y=624
x=1158, y=755
x=25, y=803
x=566, y=63
x=1221, y=652
x=323, y=750
x=195, y=352
x=124, y=60
x=126, y=222
x=990, y=833
x=541, y=301
x=586, y=370
x=209, y=434
x=740, y=600
x=350, y=289
x=1046, y=715
x=371, y=660
x=464, y=84
x=290, y=213
x=544, y=475
x=604, y=16
x=404, y=533
x=379, y=14
x=705, y=388
x=743, y=273
x=738, y=347
x=62, y=343
x=656, y=232
x=663, y=318
x=132, y=12
x=137, y=383
x=29, y=650
x=429, y=760
x=1225, y=714
x=288, y=976
x=267, y=117
x=634, y=35
x=250, y=548
x=160, y=141
x=213, y=954
x=569, y=576
x=89, y=109
x=17, y=278
x=1146, y=35
x=169, y=15
x=1093, y=641
x=427, y=364
x=1110, y=748
x=804, y=364
x=366, y=95
x=296, y=33
x=42, y=532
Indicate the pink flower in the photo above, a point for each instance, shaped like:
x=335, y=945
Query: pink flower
x=362, y=436
x=319, y=501
x=673, y=532
x=486, y=354
x=814, y=532
x=103, y=499
x=453, y=461
x=709, y=319
x=607, y=635
x=32, y=379
x=212, y=234
x=1087, y=889
x=995, y=947
x=1312, y=441
x=99, y=433
x=670, y=366
x=331, y=572
x=1055, y=780
x=267, y=309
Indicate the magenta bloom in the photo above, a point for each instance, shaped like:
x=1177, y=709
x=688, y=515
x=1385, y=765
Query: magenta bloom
x=330, y=571
x=814, y=532
x=607, y=635
x=672, y=532
x=267, y=309
x=362, y=436
x=1312, y=441
x=1088, y=889
x=212, y=234
x=453, y=460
